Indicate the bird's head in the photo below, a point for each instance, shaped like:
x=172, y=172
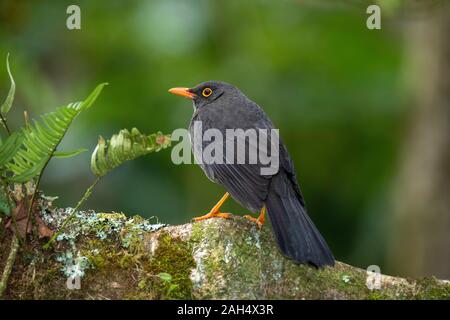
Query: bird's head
x=206, y=92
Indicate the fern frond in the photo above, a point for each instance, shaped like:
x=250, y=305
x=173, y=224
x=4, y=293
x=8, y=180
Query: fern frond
x=123, y=147
x=9, y=148
x=41, y=138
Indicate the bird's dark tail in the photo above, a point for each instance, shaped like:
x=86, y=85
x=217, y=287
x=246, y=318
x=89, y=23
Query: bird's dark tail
x=296, y=235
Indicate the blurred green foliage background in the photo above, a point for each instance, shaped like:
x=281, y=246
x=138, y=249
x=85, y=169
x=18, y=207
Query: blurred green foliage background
x=332, y=86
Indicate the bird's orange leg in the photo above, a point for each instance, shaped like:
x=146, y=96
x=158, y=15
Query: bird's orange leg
x=260, y=220
x=215, y=211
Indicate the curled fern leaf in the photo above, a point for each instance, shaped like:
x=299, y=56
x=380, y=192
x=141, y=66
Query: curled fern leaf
x=41, y=138
x=123, y=147
x=6, y=106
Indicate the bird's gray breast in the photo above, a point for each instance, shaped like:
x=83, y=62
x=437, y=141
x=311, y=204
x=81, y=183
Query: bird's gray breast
x=216, y=117
x=197, y=128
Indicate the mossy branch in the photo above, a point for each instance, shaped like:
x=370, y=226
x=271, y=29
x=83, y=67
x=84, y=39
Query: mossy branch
x=125, y=258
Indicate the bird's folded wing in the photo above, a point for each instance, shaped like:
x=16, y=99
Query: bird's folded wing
x=244, y=181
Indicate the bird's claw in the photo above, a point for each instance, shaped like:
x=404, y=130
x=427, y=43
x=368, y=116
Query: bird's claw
x=213, y=215
x=255, y=220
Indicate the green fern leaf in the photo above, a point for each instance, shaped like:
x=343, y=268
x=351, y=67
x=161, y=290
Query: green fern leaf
x=69, y=154
x=10, y=147
x=123, y=147
x=6, y=106
x=41, y=138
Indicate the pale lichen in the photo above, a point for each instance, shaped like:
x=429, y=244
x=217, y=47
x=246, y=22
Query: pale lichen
x=73, y=266
x=102, y=226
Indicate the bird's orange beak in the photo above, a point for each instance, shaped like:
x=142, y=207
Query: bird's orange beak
x=184, y=92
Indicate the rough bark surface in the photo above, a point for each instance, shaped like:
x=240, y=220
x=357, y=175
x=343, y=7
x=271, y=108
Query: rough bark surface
x=117, y=257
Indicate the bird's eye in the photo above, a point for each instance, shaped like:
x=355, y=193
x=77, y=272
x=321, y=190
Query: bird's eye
x=206, y=92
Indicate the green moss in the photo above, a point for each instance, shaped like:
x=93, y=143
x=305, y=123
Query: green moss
x=429, y=289
x=111, y=216
x=377, y=295
x=196, y=233
x=172, y=256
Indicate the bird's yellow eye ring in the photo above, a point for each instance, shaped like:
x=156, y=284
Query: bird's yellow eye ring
x=206, y=92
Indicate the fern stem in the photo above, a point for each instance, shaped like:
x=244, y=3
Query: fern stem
x=5, y=124
x=30, y=208
x=86, y=195
x=15, y=244
x=13, y=217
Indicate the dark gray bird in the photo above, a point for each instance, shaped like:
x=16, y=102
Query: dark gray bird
x=219, y=105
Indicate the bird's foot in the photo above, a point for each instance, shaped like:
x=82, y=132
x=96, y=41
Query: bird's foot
x=255, y=220
x=215, y=210
x=260, y=220
x=213, y=215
